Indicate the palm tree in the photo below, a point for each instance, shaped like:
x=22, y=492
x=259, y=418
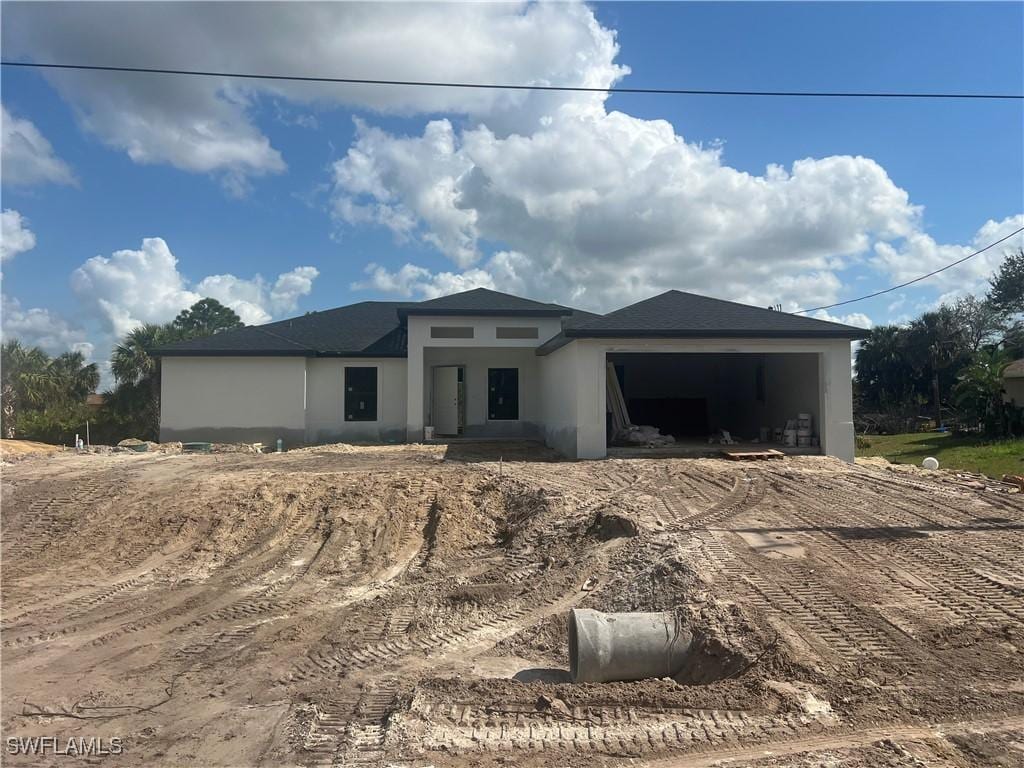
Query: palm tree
x=28, y=382
x=936, y=342
x=884, y=374
x=137, y=374
x=75, y=377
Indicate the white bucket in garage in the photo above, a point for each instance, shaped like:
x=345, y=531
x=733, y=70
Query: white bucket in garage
x=804, y=441
x=789, y=437
x=803, y=421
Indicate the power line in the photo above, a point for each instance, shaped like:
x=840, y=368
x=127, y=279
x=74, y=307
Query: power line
x=916, y=279
x=512, y=87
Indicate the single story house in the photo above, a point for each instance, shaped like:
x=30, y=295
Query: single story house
x=1013, y=383
x=487, y=364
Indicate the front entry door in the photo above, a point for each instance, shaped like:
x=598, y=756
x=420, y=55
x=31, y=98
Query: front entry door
x=446, y=400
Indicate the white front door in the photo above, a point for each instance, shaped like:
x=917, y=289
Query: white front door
x=446, y=400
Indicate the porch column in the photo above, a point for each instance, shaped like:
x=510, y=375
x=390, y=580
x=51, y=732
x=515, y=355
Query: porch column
x=590, y=400
x=414, y=395
x=836, y=382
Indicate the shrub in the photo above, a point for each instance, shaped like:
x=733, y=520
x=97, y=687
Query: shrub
x=58, y=426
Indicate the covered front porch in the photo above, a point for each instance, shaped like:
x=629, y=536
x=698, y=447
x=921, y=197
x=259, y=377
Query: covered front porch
x=477, y=393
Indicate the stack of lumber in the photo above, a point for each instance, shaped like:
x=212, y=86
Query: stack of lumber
x=616, y=402
x=623, y=432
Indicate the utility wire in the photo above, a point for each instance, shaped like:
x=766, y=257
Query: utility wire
x=512, y=87
x=916, y=279
x=573, y=89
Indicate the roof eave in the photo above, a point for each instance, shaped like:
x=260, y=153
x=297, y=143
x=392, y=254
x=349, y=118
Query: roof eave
x=270, y=353
x=362, y=354
x=625, y=333
x=552, y=344
x=232, y=353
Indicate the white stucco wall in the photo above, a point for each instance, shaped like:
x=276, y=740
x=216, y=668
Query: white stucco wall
x=233, y=399
x=573, y=400
x=325, y=400
x=559, y=406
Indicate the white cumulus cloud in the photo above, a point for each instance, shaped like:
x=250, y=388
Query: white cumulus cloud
x=603, y=208
x=132, y=287
x=856, y=319
x=39, y=327
x=15, y=236
x=254, y=300
x=414, y=281
x=919, y=254
x=26, y=157
x=205, y=124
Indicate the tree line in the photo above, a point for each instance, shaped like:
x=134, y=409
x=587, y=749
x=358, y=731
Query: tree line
x=948, y=363
x=44, y=397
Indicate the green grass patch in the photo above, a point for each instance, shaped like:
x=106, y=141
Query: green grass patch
x=965, y=452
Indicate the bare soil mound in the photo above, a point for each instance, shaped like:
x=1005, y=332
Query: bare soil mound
x=407, y=605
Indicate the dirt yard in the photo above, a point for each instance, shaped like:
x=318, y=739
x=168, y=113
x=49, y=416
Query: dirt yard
x=406, y=606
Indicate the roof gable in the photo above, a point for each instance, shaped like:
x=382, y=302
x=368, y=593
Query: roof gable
x=483, y=301
x=679, y=314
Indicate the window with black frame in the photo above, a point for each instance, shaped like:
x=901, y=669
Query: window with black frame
x=361, y=394
x=503, y=394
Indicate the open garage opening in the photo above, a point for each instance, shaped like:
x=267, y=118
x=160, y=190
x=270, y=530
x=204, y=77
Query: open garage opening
x=693, y=397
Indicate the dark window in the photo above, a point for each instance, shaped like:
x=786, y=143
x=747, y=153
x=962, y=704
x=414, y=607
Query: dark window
x=360, y=394
x=503, y=394
x=451, y=332
x=515, y=332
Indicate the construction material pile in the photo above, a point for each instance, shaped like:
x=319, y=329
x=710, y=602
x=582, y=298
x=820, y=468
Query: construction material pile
x=646, y=435
x=623, y=432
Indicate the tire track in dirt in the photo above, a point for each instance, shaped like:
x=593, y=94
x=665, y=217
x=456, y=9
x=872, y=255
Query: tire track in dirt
x=351, y=730
x=747, y=492
x=121, y=599
x=394, y=643
x=877, y=575
x=843, y=738
x=26, y=539
x=959, y=587
x=836, y=627
x=621, y=731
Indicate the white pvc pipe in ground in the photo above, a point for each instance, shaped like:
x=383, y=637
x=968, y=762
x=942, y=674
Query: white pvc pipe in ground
x=625, y=646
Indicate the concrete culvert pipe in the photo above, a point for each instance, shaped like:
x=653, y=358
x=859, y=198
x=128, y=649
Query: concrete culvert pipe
x=625, y=646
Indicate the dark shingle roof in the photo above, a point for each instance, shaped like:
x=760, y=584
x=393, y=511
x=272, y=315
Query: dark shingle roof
x=376, y=328
x=367, y=329
x=681, y=315
x=483, y=301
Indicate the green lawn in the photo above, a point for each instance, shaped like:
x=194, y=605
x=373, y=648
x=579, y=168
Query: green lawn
x=970, y=453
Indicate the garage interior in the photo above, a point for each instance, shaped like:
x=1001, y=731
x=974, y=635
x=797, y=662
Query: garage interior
x=692, y=396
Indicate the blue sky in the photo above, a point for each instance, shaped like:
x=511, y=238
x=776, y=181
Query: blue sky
x=565, y=200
